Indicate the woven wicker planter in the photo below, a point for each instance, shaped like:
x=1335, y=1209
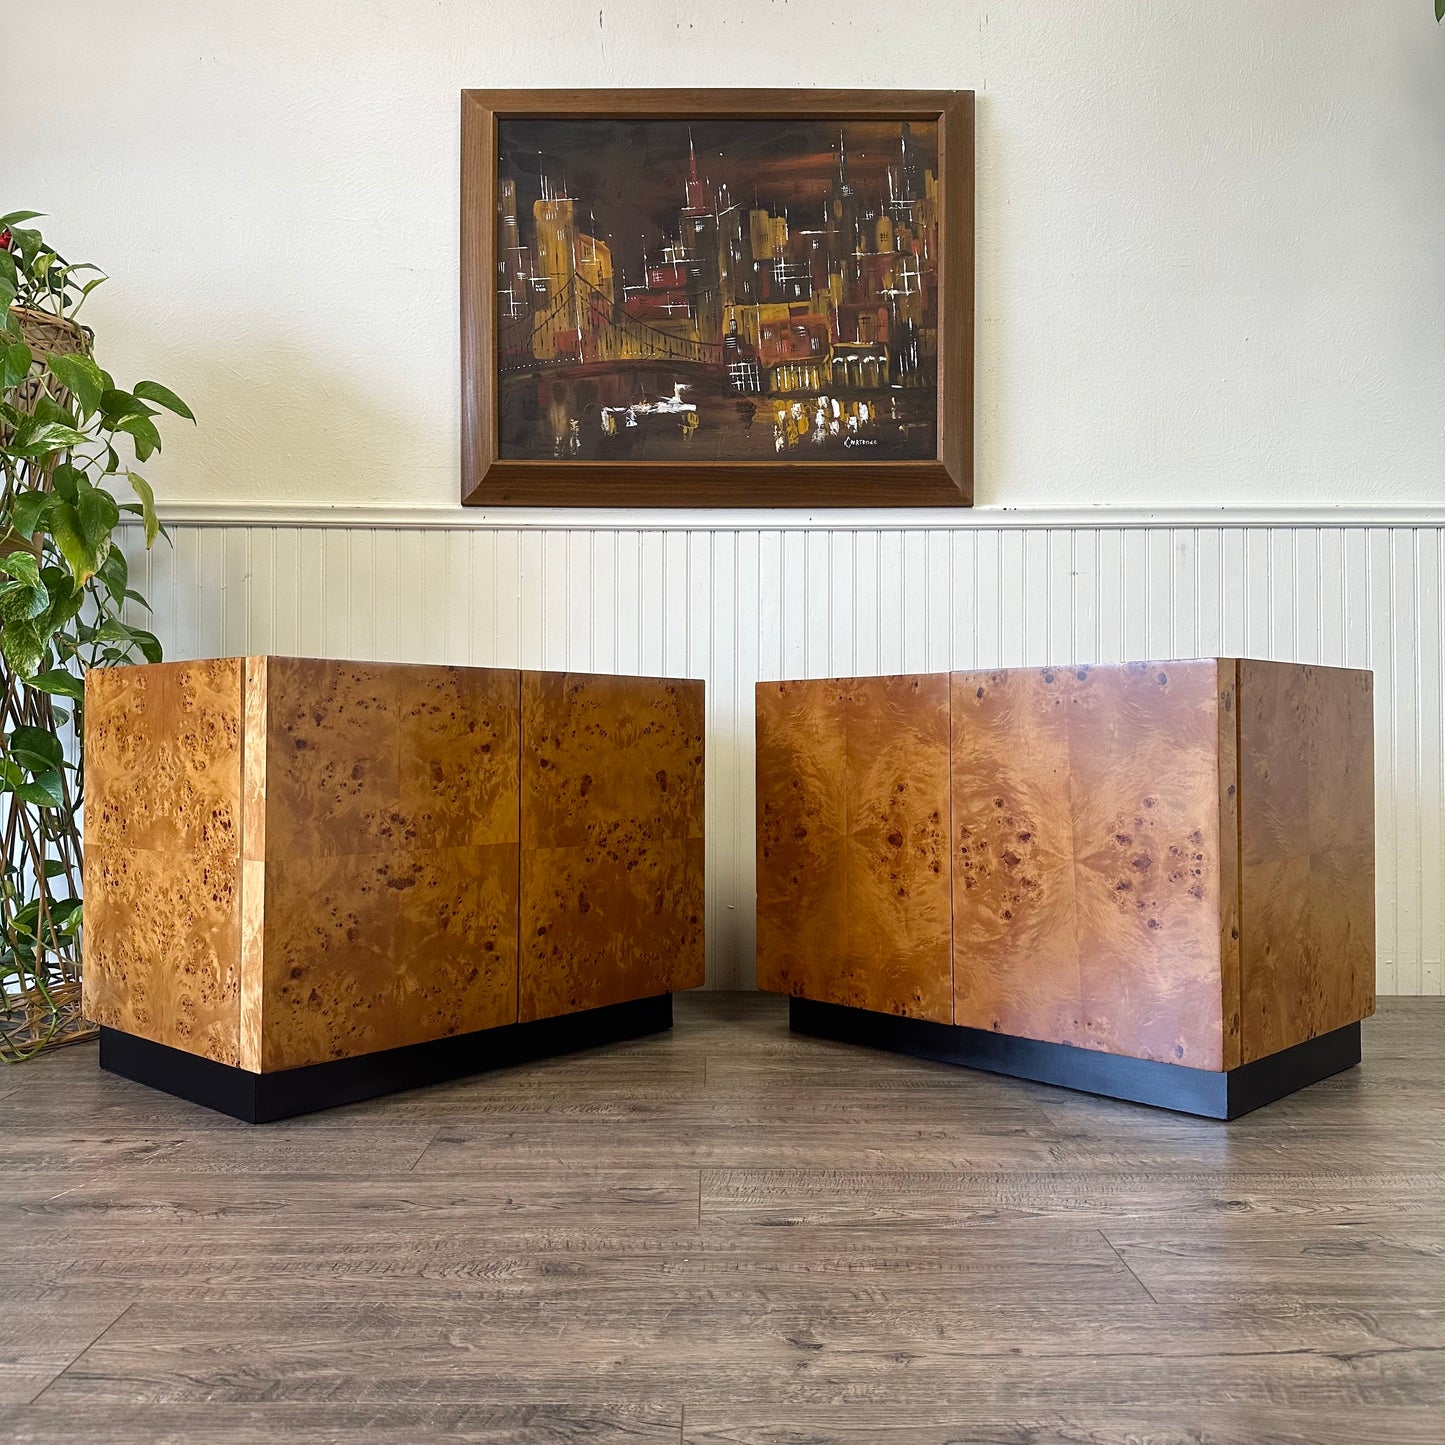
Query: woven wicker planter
x=36, y=1019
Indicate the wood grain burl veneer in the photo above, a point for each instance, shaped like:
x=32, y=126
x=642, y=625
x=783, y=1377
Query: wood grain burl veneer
x=1169, y=861
x=390, y=852
x=853, y=895
x=162, y=875
x=294, y=861
x=612, y=866
x=1086, y=869
x=1307, y=851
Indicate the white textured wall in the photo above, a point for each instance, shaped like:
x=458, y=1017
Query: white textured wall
x=1211, y=233
x=1211, y=271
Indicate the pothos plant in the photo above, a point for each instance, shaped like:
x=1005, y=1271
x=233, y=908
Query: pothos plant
x=67, y=432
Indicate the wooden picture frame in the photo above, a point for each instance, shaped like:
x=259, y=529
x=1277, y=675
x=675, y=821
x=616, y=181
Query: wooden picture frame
x=506, y=415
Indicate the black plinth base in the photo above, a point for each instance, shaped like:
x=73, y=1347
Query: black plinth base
x=1224, y=1095
x=260, y=1098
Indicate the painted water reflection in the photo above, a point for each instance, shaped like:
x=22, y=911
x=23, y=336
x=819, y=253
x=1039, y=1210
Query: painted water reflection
x=657, y=415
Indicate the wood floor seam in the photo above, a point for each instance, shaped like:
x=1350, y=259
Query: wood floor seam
x=436, y=1133
x=1127, y=1266
x=35, y=1399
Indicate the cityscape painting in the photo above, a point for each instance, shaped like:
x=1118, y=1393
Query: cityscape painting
x=680, y=292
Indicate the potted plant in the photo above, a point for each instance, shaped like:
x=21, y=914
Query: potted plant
x=66, y=430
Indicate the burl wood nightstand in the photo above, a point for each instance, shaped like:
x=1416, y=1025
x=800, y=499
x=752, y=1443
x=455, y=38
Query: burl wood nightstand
x=1152, y=881
x=309, y=882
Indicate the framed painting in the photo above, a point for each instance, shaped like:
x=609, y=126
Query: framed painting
x=730, y=298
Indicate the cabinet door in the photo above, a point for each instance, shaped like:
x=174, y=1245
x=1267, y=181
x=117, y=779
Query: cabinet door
x=612, y=840
x=385, y=854
x=853, y=807
x=1087, y=858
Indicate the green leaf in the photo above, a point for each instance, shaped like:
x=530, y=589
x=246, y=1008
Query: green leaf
x=82, y=377
x=115, y=574
x=149, y=644
x=68, y=271
x=22, y=602
x=36, y=438
x=26, y=918
x=114, y=630
x=22, y=646
x=65, y=914
x=148, y=505
x=28, y=511
x=54, y=868
x=22, y=566
x=163, y=396
x=14, y=365
x=67, y=480
x=1439, y=10
x=116, y=405
x=81, y=556
x=58, y=682
x=25, y=597
x=48, y=409
x=8, y=223
x=98, y=515
x=143, y=430
x=35, y=749
x=44, y=791
x=66, y=599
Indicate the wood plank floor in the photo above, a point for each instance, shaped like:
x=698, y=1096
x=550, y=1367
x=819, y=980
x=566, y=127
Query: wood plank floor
x=728, y=1234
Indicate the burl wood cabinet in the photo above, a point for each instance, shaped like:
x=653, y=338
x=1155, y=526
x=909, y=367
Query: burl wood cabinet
x=309, y=881
x=1153, y=880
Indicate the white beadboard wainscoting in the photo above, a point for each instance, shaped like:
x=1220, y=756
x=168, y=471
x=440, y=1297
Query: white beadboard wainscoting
x=735, y=599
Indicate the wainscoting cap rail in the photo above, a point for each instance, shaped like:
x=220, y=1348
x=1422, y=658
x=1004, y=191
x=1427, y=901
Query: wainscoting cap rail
x=282, y=514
